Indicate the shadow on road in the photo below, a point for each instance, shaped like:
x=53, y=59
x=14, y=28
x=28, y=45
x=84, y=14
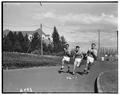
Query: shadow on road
x=69, y=72
x=81, y=73
x=95, y=86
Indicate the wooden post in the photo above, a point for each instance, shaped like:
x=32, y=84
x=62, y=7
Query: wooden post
x=41, y=39
x=117, y=41
x=98, y=43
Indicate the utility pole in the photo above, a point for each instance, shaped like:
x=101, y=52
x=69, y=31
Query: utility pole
x=41, y=39
x=98, y=43
x=41, y=3
x=117, y=41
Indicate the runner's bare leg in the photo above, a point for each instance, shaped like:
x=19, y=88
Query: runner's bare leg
x=87, y=66
x=62, y=67
x=74, y=68
x=68, y=67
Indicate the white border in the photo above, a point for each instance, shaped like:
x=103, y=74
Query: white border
x=56, y=1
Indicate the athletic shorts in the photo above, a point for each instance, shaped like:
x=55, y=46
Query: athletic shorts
x=66, y=58
x=77, y=61
x=90, y=59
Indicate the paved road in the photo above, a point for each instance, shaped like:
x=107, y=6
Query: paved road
x=47, y=79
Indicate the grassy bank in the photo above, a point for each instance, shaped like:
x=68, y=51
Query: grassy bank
x=108, y=82
x=13, y=60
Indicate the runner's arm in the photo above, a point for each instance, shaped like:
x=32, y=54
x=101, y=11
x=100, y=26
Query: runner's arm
x=65, y=49
x=82, y=56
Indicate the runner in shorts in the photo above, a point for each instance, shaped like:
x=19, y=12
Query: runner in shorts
x=78, y=58
x=91, y=57
x=66, y=57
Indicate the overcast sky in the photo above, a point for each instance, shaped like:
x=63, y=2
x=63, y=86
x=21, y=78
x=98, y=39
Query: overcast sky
x=78, y=22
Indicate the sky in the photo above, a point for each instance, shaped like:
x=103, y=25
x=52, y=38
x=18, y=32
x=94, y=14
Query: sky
x=77, y=22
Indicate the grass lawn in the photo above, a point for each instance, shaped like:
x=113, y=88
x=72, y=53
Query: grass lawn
x=12, y=60
x=109, y=81
x=15, y=60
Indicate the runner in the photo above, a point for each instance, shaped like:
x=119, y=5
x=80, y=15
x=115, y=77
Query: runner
x=91, y=57
x=78, y=58
x=66, y=57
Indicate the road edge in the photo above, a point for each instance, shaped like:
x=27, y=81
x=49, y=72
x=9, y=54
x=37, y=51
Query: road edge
x=99, y=88
x=98, y=85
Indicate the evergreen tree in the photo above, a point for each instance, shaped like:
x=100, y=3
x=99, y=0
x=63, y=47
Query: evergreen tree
x=19, y=43
x=15, y=36
x=26, y=43
x=10, y=35
x=7, y=44
x=56, y=40
x=50, y=48
x=10, y=38
x=20, y=38
x=17, y=46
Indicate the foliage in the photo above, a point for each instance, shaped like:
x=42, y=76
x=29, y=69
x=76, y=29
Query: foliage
x=7, y=44
x=112, y=54
x=35, y=44
x=108, y=51
x=17, y=42
x=58, y=41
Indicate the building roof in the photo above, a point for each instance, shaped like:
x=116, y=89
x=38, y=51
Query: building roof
x=5, y=32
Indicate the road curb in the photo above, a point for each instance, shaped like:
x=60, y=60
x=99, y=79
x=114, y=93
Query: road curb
x=99, y=88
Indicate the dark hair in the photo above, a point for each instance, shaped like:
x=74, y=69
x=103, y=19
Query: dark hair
x=77, y=47
x=93, y=44
x=67, y=44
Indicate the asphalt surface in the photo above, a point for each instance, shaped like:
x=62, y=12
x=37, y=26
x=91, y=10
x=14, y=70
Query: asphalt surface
x=47, y=79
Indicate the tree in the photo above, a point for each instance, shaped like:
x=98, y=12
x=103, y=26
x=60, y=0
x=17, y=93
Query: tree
x=10, y=35
x=10, y=38
x=7, y=44
x=56, y=40
x=17, y=46
x=50, y=48
x=45, y=48
x=63, y=42
x=26, y=43
x=20, y=38
x=15, y=36
x=35, y=44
